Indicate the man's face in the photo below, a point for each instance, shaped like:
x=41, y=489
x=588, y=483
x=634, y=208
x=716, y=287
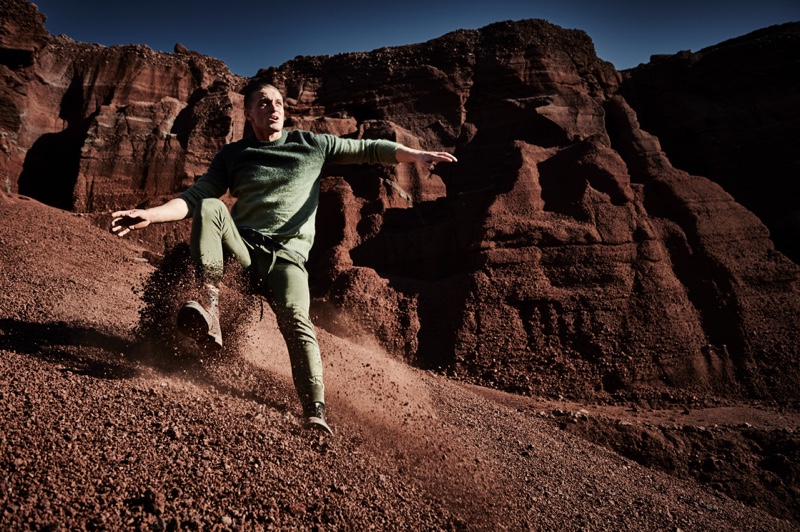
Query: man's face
x=266, y=114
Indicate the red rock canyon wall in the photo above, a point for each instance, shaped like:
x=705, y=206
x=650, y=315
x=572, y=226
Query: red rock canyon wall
x=562, y=254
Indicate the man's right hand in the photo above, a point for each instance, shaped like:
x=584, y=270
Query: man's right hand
x=123, y=222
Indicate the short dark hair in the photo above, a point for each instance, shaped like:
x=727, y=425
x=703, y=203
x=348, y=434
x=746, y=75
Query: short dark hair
x=255, y=87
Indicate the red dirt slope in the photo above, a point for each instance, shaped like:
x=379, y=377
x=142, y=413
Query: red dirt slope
x=97, y=433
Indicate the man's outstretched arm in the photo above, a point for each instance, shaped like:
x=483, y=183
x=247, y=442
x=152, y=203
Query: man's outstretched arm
x=428, y=159
x=123, y=222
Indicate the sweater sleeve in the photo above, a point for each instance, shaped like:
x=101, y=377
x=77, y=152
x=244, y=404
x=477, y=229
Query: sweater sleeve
x=213, y=184
x=356, y=151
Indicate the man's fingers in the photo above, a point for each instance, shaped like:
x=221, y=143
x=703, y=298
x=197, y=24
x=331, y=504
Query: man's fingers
x=123, y=222
x=127, y=220
x=120, y=230
x=120, y=223
x=439, y=157
x=445, y=158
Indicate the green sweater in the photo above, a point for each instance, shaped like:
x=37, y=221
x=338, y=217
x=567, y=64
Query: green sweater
x=276, y=184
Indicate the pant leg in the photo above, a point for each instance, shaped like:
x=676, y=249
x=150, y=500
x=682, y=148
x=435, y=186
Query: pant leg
x=288, y=293
x=214, y=236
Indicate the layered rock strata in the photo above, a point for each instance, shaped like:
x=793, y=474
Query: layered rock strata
x=731, y=112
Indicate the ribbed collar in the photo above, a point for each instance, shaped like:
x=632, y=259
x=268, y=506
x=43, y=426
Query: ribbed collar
x=258, y=143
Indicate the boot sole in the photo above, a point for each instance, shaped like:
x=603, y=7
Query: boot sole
x=193, y=321
x=318, y=424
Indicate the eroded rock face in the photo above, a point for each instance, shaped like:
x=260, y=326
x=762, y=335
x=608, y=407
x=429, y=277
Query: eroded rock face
x=562, y=254
x=730, y=112
x=90, y=128
x=565, y=254
x=22, y=34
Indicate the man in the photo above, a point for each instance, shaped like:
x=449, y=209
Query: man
x=274, y=174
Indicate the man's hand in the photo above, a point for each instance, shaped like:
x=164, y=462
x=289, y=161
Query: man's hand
x=123, y=222
x=428, y=159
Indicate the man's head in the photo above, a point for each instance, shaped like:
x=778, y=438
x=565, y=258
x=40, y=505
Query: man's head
x=263, y=107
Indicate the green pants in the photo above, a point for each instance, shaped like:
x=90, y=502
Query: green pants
x=281, y=278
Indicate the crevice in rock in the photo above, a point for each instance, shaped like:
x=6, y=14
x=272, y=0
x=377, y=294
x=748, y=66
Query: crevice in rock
x=50, y=170
x=185, y=122
x=15, y=59
x=440, y=309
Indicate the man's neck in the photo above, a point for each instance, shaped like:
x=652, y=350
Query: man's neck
x=263, y=136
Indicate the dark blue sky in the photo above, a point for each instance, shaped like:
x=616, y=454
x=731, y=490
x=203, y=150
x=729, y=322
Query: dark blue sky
x=249, y=35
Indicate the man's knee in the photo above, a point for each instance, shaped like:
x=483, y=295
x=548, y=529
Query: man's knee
x=210, y=207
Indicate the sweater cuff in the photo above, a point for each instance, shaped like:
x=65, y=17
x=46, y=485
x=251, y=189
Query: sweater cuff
x=190, y=202
x=387, y=151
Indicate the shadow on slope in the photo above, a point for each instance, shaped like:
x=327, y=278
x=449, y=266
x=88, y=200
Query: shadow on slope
x=68, y=345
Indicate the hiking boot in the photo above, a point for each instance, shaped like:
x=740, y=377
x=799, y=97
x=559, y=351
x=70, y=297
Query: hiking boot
x=315, y=417
x=203, y=326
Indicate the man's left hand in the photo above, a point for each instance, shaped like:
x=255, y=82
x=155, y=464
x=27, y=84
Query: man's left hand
x=428, y=159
